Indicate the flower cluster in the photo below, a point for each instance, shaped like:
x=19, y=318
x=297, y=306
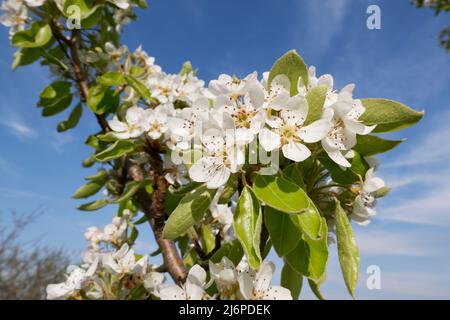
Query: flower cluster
x=218, y=127
x=112, y=270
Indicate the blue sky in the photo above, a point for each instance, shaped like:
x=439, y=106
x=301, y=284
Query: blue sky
x=408, y=239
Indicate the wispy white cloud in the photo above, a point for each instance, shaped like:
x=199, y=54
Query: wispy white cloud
x=60, y=140
x=323, y=21
x=414, y=284
x=18, y=128
x=381, y=242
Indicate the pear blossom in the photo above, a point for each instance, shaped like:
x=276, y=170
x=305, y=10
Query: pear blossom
x=365, y=200
x=124, y=262
x=35, y=3
x=14, y=15
x=156, y=121
x=225, y=275
x=231, y=86
x=76, y=278
x=192, y=289
x=258, y=287
x=248, y=116
x=136, y=124
x=122, y=4
x=221, y=156
x=287, y=130
x=343, y=116
x=277, y=97
x=152, y=282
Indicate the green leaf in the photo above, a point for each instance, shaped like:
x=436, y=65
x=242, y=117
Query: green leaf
x=114, y=151
x=38, y=35
x=291, y=280
x=316, y=99
x=388, y=115
x=309, y=222
x=102, y=99
x=90, y=13
x=247, y=225
x=88, y=189
x=107, y=137
x=138, y=86
x=293, y=173
x=293, y=66
x=359, y=168
x=280, y=194
x=73, y=119
x=229, y=190
x=112, y=78
x=315, y=288
x=55, y=98
x=99, y=176
x=208, y=239
x=26, y=56
x=347, y=249
x=284, y=234
x=130, y=190
x=371, y=145
x=186, y=68
x=189, y=211
x=232, y=250
x=94, y=205
x=310, y=257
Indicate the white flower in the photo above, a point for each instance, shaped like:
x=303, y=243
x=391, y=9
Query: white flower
x=365, y=200
x=163, y=87
x=279, y=94
x=135, y=125
x=248, y=117
x=73, y=284
x=221, y=155
x=231, y=86
x=156, y=121
x=35, y=3
x=14, y=15
x=183, y=124
x=258, y=288
x=123, y=261
x=343, y=116
x=287, y=130
x=175, y=173
x=122, y=4
x=192, y=289
x=225, y=276
x=114, y=53
x=152, y=282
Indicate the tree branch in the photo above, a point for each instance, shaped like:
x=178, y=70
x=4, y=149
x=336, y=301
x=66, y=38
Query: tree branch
x=152, y=207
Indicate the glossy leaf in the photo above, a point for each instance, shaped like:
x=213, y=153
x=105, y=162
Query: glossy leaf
x=291, y=280
x=189, y=211
x=369, y=145
x=88, y=189
x=130, y=190
x=38, y=35
x=280, y=194
x=116, y=150
x=247, y=225
x=73, y=119
x=388, y=115
x=347, y=249
x=284, y=234
x=138, y=86
x=310, y=257
x=94, y=205
x=293, y=66
x=316, y=99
